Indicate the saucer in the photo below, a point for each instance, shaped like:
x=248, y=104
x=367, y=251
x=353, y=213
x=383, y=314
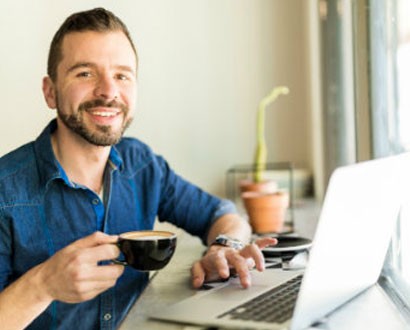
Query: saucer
x=287, y=244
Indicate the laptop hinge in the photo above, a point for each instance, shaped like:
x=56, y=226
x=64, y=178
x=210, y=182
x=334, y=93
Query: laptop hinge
x=391, y=290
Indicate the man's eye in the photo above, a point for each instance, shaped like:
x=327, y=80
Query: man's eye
x=84, y=74
x=122, y=77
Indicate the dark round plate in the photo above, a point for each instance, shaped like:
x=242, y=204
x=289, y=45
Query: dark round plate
x=288, y=244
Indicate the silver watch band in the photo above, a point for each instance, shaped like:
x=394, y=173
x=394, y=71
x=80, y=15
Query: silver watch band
x=224, y=240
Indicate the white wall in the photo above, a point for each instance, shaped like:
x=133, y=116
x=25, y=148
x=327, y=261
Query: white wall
x=204, y=66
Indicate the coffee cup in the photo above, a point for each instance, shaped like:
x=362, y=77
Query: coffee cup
x=147, y=250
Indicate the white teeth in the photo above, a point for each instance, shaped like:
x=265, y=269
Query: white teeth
x=104, y=114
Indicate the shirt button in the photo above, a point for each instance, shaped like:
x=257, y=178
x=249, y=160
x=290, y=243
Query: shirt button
x=107, y=317
x=96, y=201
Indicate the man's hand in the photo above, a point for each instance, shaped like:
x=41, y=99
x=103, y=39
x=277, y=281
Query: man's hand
x=73, y=275
x=220, y=261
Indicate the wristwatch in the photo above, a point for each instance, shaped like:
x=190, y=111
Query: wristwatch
x=224, y=240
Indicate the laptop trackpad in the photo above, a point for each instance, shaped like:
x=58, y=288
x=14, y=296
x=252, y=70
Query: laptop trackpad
x=233, y=291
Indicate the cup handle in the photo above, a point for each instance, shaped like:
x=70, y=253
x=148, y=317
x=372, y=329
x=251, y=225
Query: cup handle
x=119, y=262
x=116, y=261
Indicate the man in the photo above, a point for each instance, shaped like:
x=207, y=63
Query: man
x=65, y=196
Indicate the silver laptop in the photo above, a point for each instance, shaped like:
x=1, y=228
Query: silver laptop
x=354, y=230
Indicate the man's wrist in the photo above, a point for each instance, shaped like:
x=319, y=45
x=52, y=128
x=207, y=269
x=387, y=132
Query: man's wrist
x=224, y=240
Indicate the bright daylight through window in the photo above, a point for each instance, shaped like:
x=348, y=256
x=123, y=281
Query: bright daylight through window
x=397, y=28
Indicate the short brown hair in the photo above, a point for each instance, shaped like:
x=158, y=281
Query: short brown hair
x=97, y=19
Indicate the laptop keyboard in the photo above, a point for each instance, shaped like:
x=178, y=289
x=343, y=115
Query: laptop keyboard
x=273, y=306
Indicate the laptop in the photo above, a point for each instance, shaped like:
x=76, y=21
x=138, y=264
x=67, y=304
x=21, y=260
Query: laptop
x=358, y=215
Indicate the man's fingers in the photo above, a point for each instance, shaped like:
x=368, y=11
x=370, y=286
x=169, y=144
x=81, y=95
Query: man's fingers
x=85, y=290
x=70, y=279
x=92, y=249
x=223, y=261
x=197, y=275
x=100, y=253
x=251, y=256
x=253, y=252
x=265, y=241
x=90, y=256
x=105, y=273
x=240, y=264
x=95, y=239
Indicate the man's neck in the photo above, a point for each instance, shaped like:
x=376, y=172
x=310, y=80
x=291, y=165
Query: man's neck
x=83, y=162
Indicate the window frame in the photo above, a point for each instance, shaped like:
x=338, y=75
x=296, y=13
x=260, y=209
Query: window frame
x=372, y=80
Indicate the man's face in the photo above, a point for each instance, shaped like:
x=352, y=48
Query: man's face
x=95, y=90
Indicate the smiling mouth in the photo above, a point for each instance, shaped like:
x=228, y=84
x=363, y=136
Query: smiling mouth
x=104, y=113
x=101, y=108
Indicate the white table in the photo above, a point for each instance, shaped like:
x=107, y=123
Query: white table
x=371, y=310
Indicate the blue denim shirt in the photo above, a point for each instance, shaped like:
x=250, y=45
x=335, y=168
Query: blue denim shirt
x=41, y=212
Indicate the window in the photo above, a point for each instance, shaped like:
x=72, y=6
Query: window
x=366, y=74
x=402, y=60
x=390, y=42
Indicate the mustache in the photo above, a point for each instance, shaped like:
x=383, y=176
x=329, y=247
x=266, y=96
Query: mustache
x=102, y=103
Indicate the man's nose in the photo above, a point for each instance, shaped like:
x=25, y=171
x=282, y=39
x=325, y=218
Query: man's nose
x=106, y=88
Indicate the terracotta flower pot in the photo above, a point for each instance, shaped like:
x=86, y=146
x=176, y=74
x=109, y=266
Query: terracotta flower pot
x=266, y=211
x=267, y=186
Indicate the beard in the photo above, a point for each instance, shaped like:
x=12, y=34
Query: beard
x=102, y=135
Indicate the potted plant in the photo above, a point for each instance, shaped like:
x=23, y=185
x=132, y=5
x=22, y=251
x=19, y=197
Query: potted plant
x=265, y=204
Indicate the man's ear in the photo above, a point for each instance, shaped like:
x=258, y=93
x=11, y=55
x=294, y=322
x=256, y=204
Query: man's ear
x=49, y=92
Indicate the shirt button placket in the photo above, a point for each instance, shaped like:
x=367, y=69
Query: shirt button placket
x=107, y=322
x=98, y=207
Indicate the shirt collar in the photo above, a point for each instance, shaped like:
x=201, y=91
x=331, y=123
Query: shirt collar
x=115, y=158
x=49, y=167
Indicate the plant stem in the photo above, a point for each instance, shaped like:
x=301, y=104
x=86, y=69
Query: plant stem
x=261, y=150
